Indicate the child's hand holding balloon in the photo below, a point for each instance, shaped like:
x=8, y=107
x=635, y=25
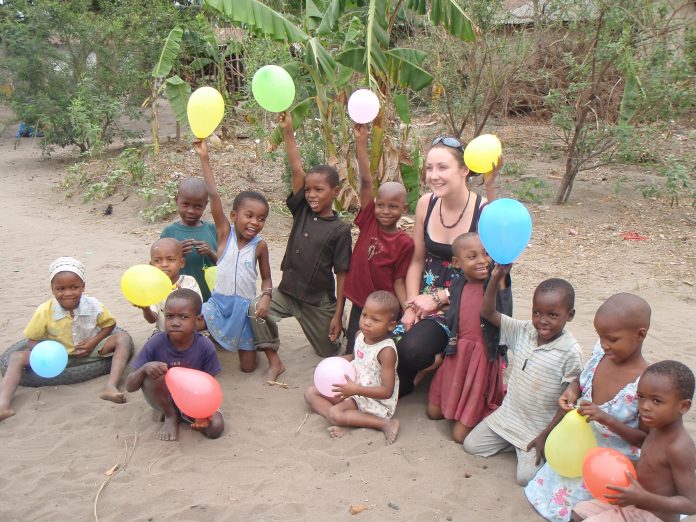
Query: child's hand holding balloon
x=631, y=495
x=200, y=424
x=343, y=391
x=593, y=412
x=569, y=396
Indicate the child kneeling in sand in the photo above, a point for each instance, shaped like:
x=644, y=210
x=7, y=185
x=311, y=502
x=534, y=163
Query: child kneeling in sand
x=665, y=485
x=81, y=323
x=375, y=391
x=179, y=345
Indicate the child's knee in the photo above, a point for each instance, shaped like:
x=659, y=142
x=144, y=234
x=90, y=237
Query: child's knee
x=434, y=412
x=247, y=361
x=310, y=393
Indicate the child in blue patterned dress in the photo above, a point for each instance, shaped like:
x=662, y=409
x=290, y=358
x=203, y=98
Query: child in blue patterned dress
x=606, y=390
x=239, y=253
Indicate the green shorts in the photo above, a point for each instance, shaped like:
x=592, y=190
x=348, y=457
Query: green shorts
x=94, y=356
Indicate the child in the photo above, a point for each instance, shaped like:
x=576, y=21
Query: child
x=198, y=238
x=179, y=345
x=468, y=385
x=318, y=246
x=81, y=323
x=546, y=358
x=382, y=252
x=167, y=255
x=375, y=391
x=666, y=479
x=240, y=250
x=607, y=392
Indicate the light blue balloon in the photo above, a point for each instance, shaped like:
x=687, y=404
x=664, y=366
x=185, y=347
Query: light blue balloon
x=48, y=359
x=505, y=227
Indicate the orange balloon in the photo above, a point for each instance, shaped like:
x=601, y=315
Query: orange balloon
x=196, y=393
x=606, y=466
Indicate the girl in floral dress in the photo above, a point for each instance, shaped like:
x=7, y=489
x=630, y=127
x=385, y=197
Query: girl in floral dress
x=607, y=390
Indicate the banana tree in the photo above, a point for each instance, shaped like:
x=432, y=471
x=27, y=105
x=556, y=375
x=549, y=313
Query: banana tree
x=198, y=41
x=366, y=49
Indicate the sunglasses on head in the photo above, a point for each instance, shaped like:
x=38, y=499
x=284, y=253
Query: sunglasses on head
x=448, y=141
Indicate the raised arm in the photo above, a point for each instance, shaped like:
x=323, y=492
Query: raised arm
x=489, y=179
x=294, y=159
x=488, y=310
x=366, y=196
x=222, y=224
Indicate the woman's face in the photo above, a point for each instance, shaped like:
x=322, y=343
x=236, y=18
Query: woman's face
x=443, y=174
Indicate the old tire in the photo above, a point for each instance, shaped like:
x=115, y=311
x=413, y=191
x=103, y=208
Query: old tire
x=71, y=374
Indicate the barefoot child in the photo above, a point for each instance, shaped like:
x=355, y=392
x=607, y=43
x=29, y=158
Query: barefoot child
x=606, y=389
x=179, y=345
x=167, y=255
x=468, y=385
x=240, y=251
x=81, y=323
x=666, y=472
x=546, y=357
x=318, y=247
x=375, y=391
x=382, y=253
x=198, y=238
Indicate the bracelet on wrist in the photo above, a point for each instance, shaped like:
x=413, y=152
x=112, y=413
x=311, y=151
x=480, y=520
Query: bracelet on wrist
x=437, y=299
x=268, y=292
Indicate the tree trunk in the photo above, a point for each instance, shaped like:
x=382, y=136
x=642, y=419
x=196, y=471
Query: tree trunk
x=154, y=126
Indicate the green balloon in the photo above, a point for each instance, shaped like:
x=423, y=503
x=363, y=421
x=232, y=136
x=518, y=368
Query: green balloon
x=273, y=88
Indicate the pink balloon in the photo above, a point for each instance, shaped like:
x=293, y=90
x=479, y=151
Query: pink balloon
x=196, y=393
x=363, y=106
x=331, y=371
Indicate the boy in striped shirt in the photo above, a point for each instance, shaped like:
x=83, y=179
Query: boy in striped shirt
x=546, y=358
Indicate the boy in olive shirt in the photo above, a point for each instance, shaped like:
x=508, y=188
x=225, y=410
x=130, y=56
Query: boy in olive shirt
x=319, y=246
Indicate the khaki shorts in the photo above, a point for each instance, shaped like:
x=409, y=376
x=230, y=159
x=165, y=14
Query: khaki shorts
x=94, y=356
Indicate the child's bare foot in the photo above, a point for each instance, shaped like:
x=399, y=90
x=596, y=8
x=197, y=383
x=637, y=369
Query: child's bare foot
x=391, y=430
x=5, y=413
x=337, y=431
x=111, y=393
x=274, y=371
x=170, y=429
x=426, y=371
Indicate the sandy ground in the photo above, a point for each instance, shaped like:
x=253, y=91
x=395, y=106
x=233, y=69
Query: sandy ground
x=56, y=450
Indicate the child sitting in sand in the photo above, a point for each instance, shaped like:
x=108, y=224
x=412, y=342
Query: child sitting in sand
x=382, y=253
x=665, y=486
x=167, y=255
x=468, y=385
x=81, y=323
x=375, y=391
x=546, y=358
x=198, y=238
x=179, y=345
x=240, y=251
x=606, y=390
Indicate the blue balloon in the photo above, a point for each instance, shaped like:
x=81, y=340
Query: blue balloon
x=505, y=227
x=48, y=359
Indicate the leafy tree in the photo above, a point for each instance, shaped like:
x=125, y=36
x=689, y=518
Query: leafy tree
x=77, y=66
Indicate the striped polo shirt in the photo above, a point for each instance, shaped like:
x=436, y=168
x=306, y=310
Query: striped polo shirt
x=539, y=376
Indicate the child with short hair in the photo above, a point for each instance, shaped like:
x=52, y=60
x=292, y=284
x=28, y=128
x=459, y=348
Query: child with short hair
x=606, y=390
x=318, y=247
x=546, y=357
x=665, y=486
x=375, y=391
x=179, y=345
x=382, y=253
x=198, y=238
x=240, y=251
x=167, y=255
x=81, y=323
x=468, y=385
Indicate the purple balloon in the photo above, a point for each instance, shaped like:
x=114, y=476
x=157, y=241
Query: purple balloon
x=331, y=371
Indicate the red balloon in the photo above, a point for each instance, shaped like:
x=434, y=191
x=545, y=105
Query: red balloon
x=196, y=393
x=606, y=466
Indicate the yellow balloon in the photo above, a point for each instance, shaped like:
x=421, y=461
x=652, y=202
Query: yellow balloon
x=205, y=111
x=568, y=443
x=145, y=285
x=210, y=274
x=482, y=153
